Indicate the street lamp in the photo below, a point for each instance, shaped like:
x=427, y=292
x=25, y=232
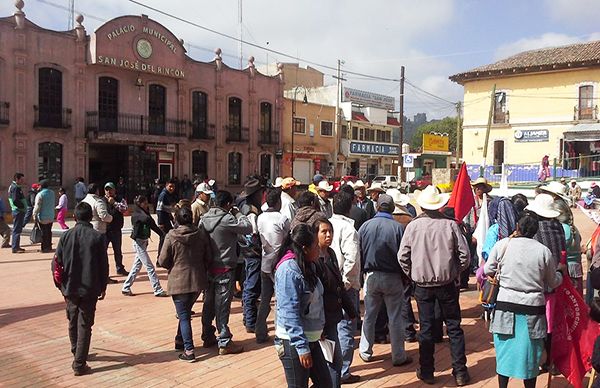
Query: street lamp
x=304, y=102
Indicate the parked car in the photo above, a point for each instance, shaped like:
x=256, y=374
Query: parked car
x=420, y=183
x=386, y=181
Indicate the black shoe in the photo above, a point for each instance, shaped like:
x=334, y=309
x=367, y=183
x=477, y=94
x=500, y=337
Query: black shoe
x=84, y=370
x=350, y=379
x=250, y=330
x=381, y=340
x=6, y=246
x=127, y=293
x=231, y=348
x=411, y=339
x=427, y=379
x=18, y=250
x=122, y=272
x=179, y=346
x=112, y=281
x=462, y=379
x=162, y=294
x=209, y=343
x=187, y=357
x=262, y=340
x=406, y=361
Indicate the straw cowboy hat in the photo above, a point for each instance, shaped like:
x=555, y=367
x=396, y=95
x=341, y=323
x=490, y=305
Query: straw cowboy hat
x=376, y=187
x=483, y=182
x=399, y=198
x=542, y=206
x=359, y=184
x=288, y=183
x=430, y=199
x=278, y=182
x=556, y=188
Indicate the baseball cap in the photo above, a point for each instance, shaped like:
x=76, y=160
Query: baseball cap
x=110, y=185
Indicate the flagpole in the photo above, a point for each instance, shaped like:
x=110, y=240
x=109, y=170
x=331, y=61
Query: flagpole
x=592, y=378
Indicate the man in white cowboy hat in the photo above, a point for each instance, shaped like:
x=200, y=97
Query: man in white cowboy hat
x=433, y=253
x=481, y=189
x=323, y=192
x=574, y=192
x=362, y=201
x=201, y=204
x=288, y=195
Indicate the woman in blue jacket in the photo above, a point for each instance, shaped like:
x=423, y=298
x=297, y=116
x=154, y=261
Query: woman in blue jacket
x=300, y=317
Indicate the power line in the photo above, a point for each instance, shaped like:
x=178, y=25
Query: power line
x=430, y=94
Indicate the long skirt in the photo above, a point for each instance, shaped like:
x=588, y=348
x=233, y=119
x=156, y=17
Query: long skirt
x=518, y=355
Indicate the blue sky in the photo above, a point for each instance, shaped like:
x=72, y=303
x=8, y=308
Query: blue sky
x=432, y=38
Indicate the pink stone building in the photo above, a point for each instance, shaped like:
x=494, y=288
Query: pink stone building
x=127, y=101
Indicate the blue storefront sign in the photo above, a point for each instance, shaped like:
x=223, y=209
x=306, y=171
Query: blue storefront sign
x=531, y=136
x=373, y=149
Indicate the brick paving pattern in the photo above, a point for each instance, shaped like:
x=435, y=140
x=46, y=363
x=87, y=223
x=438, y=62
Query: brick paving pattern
x=132, y=340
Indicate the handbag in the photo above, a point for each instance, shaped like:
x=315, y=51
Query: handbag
x=57, y=271
x=489, y=291
x=36, y=234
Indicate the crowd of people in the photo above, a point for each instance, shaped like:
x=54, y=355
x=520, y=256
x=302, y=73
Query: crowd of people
x=314, y=251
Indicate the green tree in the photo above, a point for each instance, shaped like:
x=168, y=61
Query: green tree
x=446, y=125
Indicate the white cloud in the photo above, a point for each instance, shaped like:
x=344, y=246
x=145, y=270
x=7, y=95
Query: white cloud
x=548, y=39
x=574, y=12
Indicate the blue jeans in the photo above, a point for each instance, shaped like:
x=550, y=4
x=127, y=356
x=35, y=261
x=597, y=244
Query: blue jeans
x=183, y=307
x=383, y=287
x=142, y=257
x=267, y=288
x=217, y=306
x=335, y=368
x=18, y=222
x=251, y=291
x=346, y=328
x=447, y=297
x=296, y=375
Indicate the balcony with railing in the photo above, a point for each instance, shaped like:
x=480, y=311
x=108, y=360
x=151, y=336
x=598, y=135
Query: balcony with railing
x=236, y=134
x=201, y=131
x=4, y=113
x=268, y=137
x=585, y=113
x=52, y=118
x=133, y=124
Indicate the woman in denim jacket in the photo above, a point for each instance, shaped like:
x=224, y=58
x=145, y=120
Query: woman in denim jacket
x=300, y=315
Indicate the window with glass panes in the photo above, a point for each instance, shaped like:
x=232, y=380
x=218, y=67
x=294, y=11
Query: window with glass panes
x=50, y=163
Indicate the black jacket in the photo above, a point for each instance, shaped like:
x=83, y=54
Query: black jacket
x=116, y=225
x=82, y=253
x=142, y=223
x=334, y=296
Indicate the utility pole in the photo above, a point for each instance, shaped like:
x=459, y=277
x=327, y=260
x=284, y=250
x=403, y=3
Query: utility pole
x=458, y=131
x=71, y=14
x=401, y=121
x=338, y=140
x=487, y=131
x=241, y=34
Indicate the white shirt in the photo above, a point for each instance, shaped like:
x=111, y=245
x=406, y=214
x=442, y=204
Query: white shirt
x=346, y=247
x=288, y=206
x=273, y=227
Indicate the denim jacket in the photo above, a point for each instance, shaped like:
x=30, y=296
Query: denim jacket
x=299, y=309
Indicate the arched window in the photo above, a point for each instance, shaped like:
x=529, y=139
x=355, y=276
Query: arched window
x=200, y=164
x=265, y=165
x=199, y=115
x=50, y=105
x=108, y=104
x=235, y=168
x=50, y=162
x=157, y=107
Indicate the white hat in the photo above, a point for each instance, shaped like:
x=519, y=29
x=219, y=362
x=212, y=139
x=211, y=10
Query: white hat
x=203, y=188
x=542, y=206
x=324, y=185
x=399, y=198
x=555, y=188
x=376, y=187
x=278, y=182
x=430, y=199
x=359, y=184
x=211, y=182
x=350, y=183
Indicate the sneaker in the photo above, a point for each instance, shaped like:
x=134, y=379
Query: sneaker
x=350, y=379
x=122, y=272
x=462, y=379
x=406, y=361
x=187, y=357
x=112, y=281
x=427, y=379
x=231, y=348
x=84, y=370
x=365, y=358
x=162, y=294
x=209, y=343
x=127, y=292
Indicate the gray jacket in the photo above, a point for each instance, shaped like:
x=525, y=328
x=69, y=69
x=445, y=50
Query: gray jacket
x=433, y=251
x=224, y=229
x=101, y=217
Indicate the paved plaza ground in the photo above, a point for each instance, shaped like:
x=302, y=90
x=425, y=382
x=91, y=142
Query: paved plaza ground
x=132, y=341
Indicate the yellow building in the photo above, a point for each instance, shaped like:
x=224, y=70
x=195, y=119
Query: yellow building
x=312, y=140
x=545, y=103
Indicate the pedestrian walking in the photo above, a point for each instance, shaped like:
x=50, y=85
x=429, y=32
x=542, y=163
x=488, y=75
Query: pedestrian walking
x=164, y=209
x=186, y=255
x=30, y=198
x=4, y=228
x=101, y=217
x=117, y=206
x=224, y=223
x=273, y=227
x=142, y=224
x=63, y=206
x=80, y=189
x=433, y=252
x=300, y=316
x=43, y=214
x=525, y=269
x=82, y=268
x=18, y=207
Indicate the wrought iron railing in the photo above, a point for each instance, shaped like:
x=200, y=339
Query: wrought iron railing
x=236, y=134
x=4, y=113
x=45, y=117
x=134, y=124
x=268, y=137
x=202, y=131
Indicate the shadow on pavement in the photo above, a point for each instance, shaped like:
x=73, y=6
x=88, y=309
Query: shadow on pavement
x=18, y=314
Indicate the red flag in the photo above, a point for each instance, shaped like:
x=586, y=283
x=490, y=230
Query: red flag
x=573, y=334
x=462, y=199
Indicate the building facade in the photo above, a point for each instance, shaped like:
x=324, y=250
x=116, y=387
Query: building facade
x=545, y=103
x=127, y=101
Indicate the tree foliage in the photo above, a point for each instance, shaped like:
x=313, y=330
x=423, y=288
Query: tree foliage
x=446, y=125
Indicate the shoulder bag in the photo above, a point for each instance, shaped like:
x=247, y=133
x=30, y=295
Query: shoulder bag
x=489, y=292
